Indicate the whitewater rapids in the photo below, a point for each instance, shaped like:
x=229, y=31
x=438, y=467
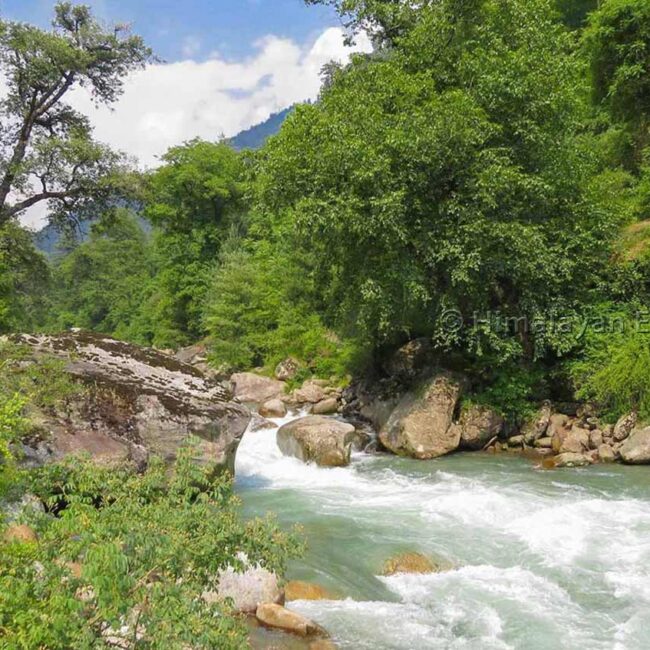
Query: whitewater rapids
x=544, y=559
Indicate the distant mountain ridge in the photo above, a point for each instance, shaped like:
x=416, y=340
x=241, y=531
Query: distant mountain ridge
x=256, y=136
x=47, y=239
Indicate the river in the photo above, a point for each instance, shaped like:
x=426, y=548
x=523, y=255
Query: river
x=542, y=559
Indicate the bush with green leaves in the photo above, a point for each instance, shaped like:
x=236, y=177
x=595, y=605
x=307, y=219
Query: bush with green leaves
x=12, y=425
x=128, y=556
x=614, y=365
x=260, y=309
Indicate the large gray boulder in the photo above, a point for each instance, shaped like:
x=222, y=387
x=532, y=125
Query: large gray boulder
x=136, y=402
x=322, y=440
x=421, y=426
x=636, y=449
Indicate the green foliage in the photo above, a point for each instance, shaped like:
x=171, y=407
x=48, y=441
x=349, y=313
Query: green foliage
x=613, y=368
x=100, y=285
x=24, y=280
x=260, y=310
x=40, y=381
x=195, y=199
x=511, y=390
x=618, y=44
x=147, y=546
x=42, y=138
x=12, y=425
x=574, y=12
x=449, y=174
x=26, y=383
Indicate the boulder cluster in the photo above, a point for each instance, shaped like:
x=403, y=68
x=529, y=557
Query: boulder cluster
x=578, y=438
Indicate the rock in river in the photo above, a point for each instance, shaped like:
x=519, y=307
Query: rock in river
x=274, y=408
x=246, y=589
x=325, y=441
x=135, y=402
x=421, y=424
x=479, y=425
x=299, y=590
x=409, y=563
x=283, y=619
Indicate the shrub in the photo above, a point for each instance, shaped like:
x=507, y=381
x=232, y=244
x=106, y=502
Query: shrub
x=131, y=553
x=614, y=368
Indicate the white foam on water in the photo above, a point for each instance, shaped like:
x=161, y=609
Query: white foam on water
x=544, y=564
x=398, y=626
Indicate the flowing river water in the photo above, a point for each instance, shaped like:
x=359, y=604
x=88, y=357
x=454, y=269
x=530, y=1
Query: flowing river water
x=542, y=559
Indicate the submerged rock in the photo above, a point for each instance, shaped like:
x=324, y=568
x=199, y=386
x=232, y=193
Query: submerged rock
x=135, y=402
x=299, y=590
x=325, y=441
x=409, y=563
x=421, y=424
x=636, y=449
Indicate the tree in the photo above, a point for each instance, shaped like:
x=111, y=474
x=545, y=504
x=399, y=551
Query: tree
x=24, y=280
x=46, y=148
x=194, y=200
x=384, y=20
x=575, y=12
x=618, y=43
x=450, y=177
x=94, y=289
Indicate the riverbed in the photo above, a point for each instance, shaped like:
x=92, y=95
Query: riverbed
x=541, y=559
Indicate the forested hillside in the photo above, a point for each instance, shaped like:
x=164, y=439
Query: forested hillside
x=476, y=169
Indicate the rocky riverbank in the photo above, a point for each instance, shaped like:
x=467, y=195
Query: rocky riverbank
x=422, y=412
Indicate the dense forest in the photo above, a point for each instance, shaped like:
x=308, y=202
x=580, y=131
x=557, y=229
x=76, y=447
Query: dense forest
x=481, y=180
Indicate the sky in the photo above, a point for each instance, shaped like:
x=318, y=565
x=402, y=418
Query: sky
x=225, y=65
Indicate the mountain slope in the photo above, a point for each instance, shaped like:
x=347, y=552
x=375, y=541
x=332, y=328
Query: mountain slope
x=256, y=136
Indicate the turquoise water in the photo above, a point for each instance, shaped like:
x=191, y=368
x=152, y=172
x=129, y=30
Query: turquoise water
x=542, y=559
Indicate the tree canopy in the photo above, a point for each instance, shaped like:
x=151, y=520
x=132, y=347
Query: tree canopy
x=47, y=152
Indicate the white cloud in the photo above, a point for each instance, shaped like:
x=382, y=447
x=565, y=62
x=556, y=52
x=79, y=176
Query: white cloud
x=167, y=104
